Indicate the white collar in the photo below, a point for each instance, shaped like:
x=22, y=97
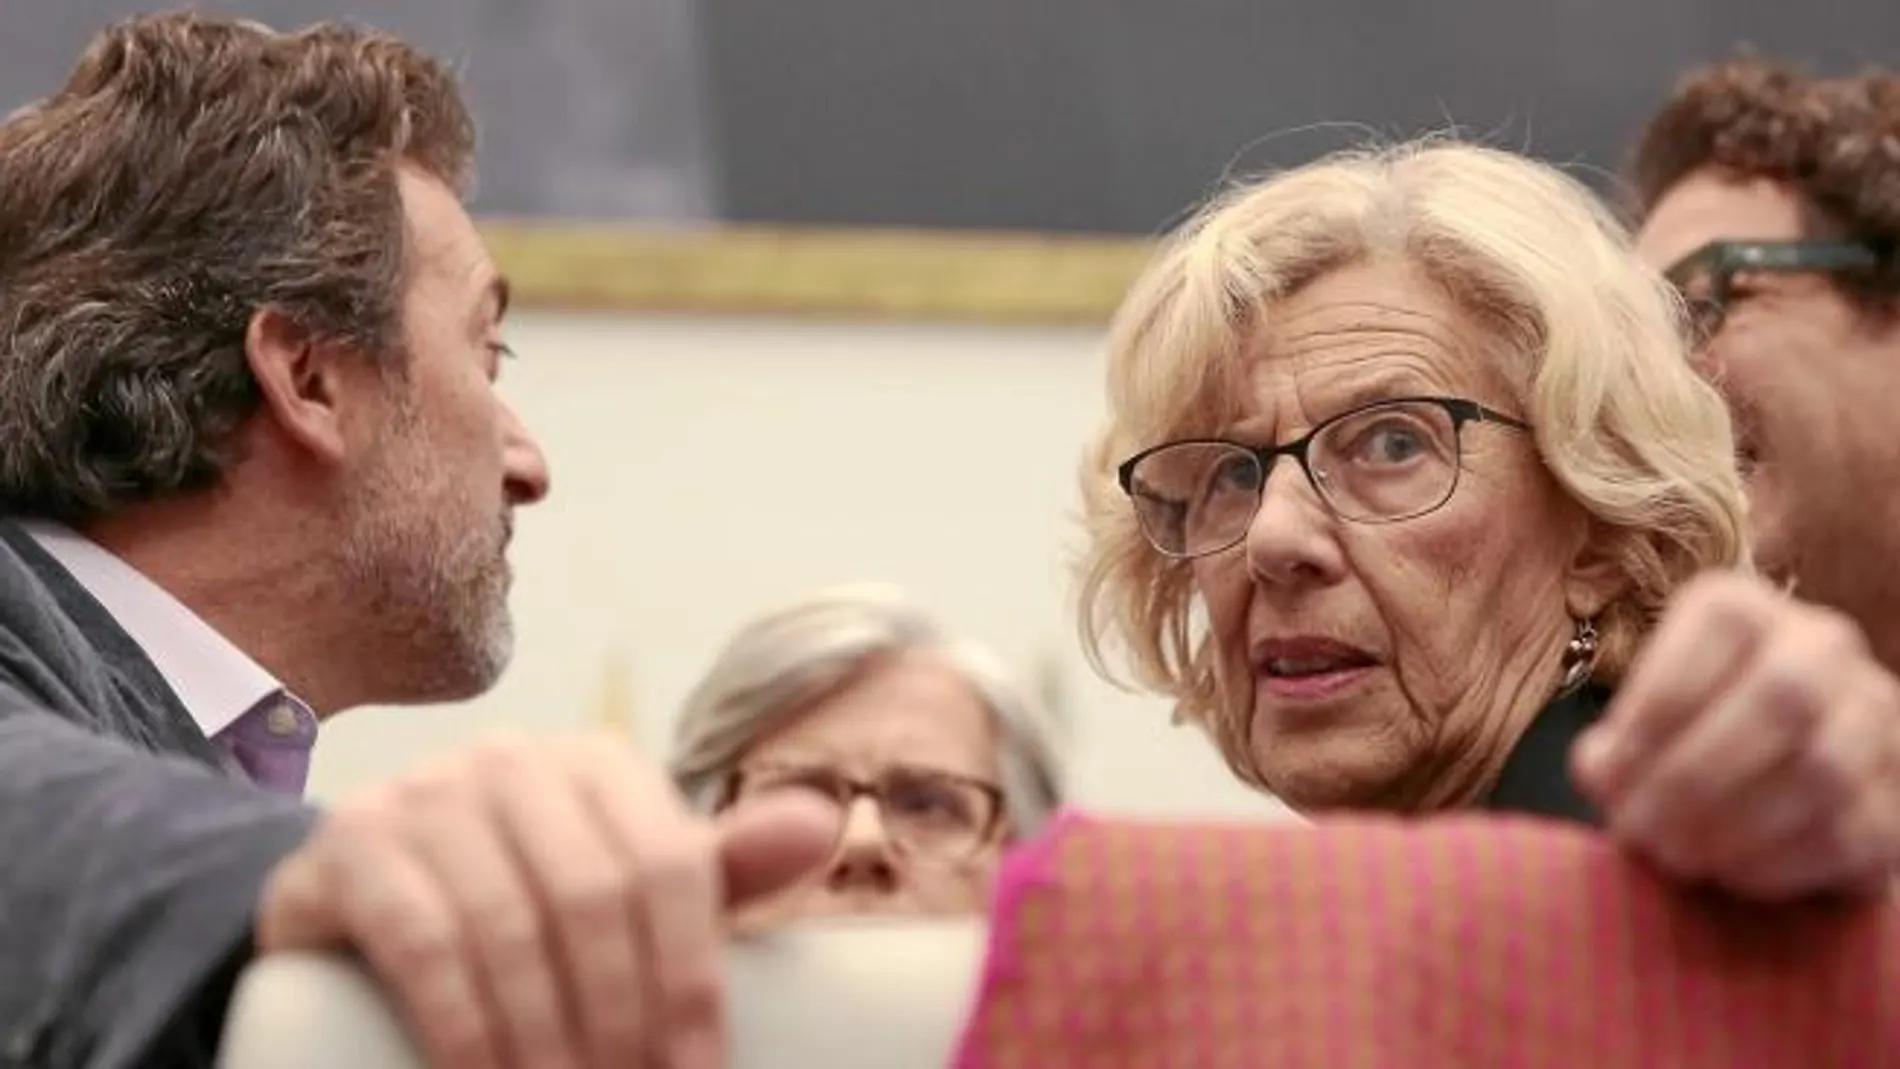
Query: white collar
x=216, y=681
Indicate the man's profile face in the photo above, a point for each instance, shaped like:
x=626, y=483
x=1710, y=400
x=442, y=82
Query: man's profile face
x=430, y=513
x=1811, y=382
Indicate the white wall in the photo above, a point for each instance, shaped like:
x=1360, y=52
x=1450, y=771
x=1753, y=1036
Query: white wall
x=705, y=469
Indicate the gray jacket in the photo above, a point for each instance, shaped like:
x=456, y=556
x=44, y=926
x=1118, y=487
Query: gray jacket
x=130, y=863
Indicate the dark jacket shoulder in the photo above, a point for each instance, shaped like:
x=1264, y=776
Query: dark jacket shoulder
x=61, y=647
x=1536, y=777
x=133, y=863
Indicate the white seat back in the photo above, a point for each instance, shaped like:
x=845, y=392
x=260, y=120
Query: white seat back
x=858, y=996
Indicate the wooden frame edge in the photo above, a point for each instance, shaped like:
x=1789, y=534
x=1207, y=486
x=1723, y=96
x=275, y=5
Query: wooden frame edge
x=954, y=276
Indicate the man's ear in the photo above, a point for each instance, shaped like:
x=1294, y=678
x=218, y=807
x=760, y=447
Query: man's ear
x=1595, y=577
x=301, y=381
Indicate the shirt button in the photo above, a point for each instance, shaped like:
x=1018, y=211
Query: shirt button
x=282, y=720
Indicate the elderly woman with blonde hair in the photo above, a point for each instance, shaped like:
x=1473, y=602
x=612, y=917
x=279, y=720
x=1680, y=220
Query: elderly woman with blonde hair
x=934, y=756
x=1404, y=489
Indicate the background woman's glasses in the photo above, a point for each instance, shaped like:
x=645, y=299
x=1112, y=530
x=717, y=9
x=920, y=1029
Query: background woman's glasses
x=928, y=813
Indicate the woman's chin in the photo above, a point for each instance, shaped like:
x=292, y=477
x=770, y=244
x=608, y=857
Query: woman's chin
x=1346, y=760
x=1346, y=769
x=1316, y=792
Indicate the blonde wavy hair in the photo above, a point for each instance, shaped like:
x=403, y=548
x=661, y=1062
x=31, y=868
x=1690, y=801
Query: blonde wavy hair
x=1621, y=419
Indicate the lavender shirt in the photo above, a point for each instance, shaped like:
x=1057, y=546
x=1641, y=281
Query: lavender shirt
x=271, y=744
x=266, y=733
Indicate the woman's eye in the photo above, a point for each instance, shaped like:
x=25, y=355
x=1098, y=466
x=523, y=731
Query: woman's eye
x=1391, y=444
x=925, y=802
x=1237, y=472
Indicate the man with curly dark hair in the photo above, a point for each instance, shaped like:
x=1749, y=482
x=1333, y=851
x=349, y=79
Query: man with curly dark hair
x=1773, y=200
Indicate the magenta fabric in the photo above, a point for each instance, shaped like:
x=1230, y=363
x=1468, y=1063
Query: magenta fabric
x=1460, y=942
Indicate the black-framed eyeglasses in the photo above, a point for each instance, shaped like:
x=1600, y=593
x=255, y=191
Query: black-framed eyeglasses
x=927, y=812
x=1377, y=463
x=1706, y=277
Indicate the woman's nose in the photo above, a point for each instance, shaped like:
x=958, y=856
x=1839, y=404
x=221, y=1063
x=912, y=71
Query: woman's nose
x=866, y=857
x=1291, y=537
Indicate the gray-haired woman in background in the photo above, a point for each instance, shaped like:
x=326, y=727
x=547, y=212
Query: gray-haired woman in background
x=935, y=756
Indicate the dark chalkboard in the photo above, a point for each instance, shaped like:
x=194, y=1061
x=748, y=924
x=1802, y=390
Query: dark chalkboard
x=1113, y=114
x=1068, y=115
x=588, y=108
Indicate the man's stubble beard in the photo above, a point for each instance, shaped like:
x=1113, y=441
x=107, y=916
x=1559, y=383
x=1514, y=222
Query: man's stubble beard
x=433, y=591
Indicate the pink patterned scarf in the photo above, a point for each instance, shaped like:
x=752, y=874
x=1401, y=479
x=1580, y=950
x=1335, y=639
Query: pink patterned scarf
x=1460, y=942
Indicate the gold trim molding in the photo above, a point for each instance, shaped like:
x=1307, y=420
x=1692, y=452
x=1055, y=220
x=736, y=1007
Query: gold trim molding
x=953, y=276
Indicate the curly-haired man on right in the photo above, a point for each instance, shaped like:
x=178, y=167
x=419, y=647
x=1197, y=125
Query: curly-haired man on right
x=1773, y=200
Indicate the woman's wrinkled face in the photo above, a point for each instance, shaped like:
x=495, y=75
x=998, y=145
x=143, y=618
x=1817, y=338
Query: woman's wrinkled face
x=909, y=754
x=1391, y=665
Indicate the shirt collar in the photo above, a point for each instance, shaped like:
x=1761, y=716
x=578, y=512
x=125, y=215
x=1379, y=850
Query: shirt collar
x=215, y=681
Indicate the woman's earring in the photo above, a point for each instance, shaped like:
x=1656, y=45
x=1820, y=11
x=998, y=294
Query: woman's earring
x=1580, y=656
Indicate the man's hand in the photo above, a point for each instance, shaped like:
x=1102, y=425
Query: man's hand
x=1755, y=743
x=542, y=903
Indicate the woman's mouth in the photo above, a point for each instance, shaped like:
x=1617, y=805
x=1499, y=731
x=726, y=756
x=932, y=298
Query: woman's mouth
x=1309, y=669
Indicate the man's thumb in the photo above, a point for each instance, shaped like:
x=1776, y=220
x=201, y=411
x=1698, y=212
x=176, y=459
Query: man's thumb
x=770, y=843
